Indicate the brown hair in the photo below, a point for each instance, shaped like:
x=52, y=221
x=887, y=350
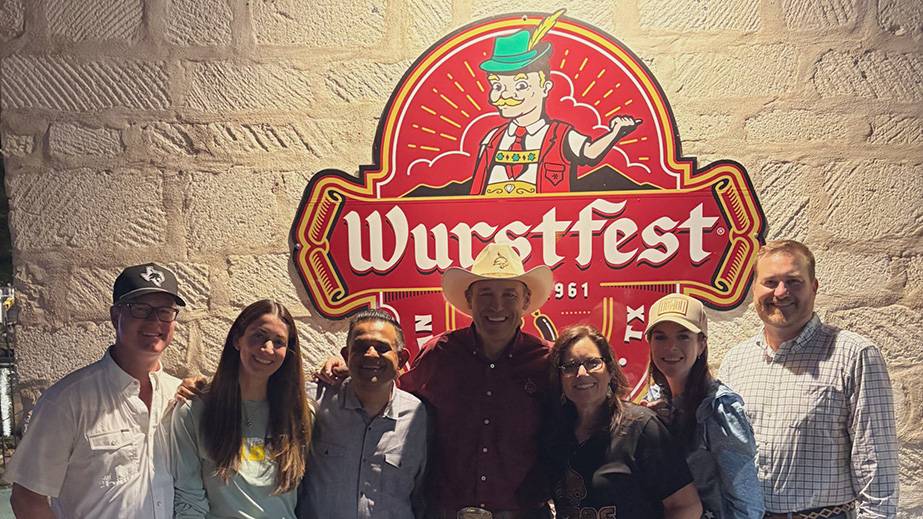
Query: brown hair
x=618, y=383
x=795, y=248
x=684, y=424
x=290, y=420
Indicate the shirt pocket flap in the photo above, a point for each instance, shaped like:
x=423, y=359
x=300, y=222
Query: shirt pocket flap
x=393, y=458
x=329, y=449
x=109, y=440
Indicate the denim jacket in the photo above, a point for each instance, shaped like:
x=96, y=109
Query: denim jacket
x=722, y=458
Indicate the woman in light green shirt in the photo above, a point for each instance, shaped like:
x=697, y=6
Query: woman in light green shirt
x=240, y=450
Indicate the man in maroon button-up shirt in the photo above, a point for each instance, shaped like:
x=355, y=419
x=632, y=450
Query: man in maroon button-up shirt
x=486, y=385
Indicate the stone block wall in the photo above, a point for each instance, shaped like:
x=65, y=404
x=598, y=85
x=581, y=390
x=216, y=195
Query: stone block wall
x=186, y=130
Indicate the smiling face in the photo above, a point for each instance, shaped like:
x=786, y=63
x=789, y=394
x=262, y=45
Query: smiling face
x=784, y=293
x=143, y=338
x=586, y=389
x=497, y=306
x=674, y=350
x=262, y=346
x=373, y=357
x=519, y=95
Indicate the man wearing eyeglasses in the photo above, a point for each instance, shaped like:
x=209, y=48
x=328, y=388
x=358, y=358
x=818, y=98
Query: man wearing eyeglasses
x=95, y=445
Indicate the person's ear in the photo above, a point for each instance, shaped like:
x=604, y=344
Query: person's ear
x=114, y=316
x=344, y=351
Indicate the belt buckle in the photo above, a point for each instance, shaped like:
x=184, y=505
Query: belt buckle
x=473, y=512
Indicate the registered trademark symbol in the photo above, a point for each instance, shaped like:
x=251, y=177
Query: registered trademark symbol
x=720, y=231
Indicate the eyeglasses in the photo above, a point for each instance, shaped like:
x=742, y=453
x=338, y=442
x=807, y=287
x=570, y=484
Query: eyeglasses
x=165, y=314
x=590, y=364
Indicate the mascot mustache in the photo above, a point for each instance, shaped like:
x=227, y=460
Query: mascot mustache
x=507, y=102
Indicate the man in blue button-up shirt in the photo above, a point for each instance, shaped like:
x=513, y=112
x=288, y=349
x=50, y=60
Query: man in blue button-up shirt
x=369, y=451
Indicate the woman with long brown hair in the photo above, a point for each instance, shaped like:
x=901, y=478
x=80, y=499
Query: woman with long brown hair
x=606, y=454
x=241, y=449
x=704, y=415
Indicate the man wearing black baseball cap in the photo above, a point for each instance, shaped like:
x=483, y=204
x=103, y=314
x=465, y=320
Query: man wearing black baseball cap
x=96, y=444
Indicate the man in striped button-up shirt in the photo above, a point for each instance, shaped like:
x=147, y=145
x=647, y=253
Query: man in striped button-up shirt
x=819, y=399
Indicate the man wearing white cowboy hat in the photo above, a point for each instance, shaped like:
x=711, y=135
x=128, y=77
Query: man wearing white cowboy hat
x=486, y=386
x=530, y=153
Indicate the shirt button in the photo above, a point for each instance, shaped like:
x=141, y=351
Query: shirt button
x=486, y=421
x=490, y=393
x=483, y=478
x=484, y=449
x=492, y=365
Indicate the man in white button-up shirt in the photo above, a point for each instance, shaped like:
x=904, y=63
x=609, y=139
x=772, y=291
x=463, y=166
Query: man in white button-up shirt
x=95, y=445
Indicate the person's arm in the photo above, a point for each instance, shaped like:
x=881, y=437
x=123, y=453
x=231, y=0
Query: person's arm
x=29, y=505
x=619, y=127
x=40, y=463
x=730, y=439
x=418, y=496
x=189, y=500
x=872, y=427
x=683, y=504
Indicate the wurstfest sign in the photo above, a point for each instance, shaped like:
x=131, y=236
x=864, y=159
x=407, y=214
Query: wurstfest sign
x=544, y=132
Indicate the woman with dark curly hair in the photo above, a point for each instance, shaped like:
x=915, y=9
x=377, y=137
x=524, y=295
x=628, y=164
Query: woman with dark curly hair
x=241, y=449
x=608, y=456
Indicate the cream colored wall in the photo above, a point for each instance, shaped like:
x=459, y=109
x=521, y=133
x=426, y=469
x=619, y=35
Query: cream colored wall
x=186, y=130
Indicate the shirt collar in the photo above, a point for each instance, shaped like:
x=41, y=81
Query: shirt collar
x=120, y=379
x=795, y=344
x=532, y=129
x=508, y=352
x=351, y=401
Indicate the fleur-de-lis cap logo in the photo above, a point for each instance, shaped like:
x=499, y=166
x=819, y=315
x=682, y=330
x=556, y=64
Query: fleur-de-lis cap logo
x=152, y=275
x=501, y=262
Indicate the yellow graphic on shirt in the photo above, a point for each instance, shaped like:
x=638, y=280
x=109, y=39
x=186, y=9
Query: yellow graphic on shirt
x=253, y=449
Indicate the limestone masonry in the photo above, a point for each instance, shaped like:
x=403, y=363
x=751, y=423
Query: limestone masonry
x=185, y=131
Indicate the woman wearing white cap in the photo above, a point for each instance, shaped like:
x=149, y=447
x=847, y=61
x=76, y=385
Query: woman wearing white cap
x=706, y=418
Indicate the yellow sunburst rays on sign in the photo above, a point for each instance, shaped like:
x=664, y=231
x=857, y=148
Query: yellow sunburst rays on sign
x=608, y=316
x=610, y=102
x=607, y=94
x=451, y=113
x=451, y=103
x=461, y=90
x=592, y=83
x=618, y=108
x=474, y=76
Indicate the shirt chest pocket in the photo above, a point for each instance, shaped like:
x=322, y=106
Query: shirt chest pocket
x=116, y=454
x=329, y=450
x=392, y=471
x=819, y=409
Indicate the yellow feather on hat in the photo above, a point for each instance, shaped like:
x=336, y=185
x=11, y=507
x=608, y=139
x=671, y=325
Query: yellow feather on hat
x=543, y=27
